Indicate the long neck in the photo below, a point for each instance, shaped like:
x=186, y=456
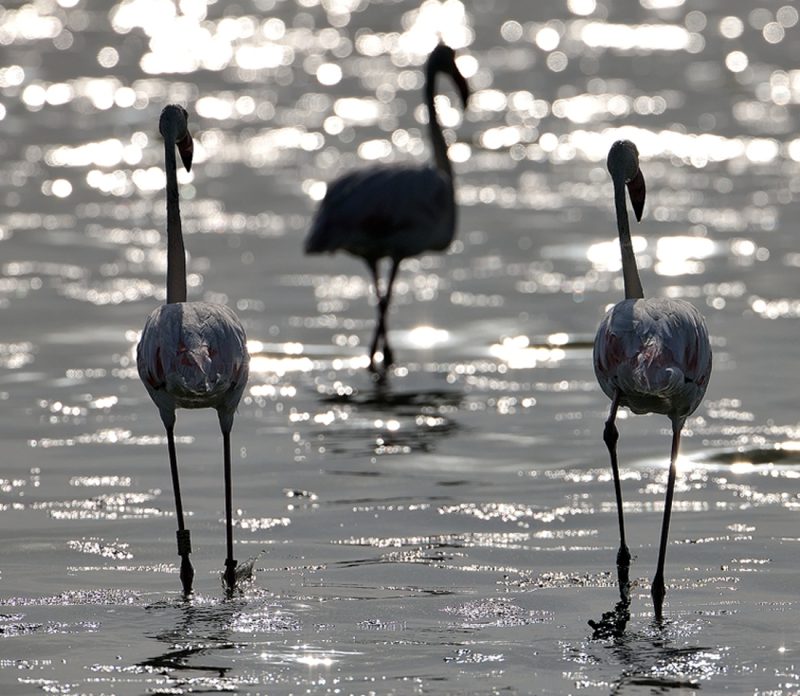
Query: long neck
x=437, y=138
x=176, y=254
x=630, y=273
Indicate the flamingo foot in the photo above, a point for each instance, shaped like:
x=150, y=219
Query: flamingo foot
x=382, y=367
x=658, y=591
x=388, y=356
x=230, y=575
x=184, y=549
x=187, y=575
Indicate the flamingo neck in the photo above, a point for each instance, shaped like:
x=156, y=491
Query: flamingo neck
x=176, y=254
x=630, y=272
x=437, y=137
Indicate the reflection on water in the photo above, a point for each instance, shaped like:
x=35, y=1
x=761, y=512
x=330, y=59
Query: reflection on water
x=656, y=658
x=450, y=529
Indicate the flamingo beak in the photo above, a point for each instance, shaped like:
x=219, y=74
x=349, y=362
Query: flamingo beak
x=186, y=150
x=637, y=190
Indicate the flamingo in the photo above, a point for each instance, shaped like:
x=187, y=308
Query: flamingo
x=393, y=211
x=651, y=355
x=191, y=354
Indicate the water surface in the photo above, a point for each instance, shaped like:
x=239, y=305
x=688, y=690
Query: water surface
x=452, y=530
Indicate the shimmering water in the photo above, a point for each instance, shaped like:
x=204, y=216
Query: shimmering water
x=452, y=531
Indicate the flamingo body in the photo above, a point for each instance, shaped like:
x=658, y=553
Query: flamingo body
x=393, y=211
x=655, y=354
x=193, y=355
x=385, y=211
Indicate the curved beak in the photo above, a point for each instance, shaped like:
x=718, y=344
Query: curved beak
x=186, y=150
x=637, y=190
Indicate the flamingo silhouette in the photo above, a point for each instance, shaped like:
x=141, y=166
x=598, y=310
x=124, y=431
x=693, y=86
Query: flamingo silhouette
x=191, y=354
x=651, y=355
x=393, y=211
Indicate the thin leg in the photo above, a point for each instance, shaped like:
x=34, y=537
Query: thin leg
x=373, y=267
x=230, y=564
x=388, y=357
x=657, y=589
x=610, y=437
x=383, y=306
x=183, y=535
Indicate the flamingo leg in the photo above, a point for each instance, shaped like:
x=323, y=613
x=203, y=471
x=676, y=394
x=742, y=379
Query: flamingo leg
x=373, y=268
x=610, y=437
x=183, y=535
x=383, y=305
x=657, y=588
x=230, y=563
x=388, y=356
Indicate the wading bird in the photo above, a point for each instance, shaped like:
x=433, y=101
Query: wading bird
x=191, y=354
x=651, y=355
x=393, y=211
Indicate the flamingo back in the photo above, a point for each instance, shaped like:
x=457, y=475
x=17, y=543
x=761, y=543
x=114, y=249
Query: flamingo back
x=193, y=355
x=656, y=353
x=385, y=211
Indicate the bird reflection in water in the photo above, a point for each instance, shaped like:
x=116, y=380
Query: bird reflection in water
x=201, y=631
x=198, y=655
x=380, y=419
x=650, y=658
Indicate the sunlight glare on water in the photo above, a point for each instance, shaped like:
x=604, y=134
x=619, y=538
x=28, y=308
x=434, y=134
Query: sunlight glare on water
x=452, y=527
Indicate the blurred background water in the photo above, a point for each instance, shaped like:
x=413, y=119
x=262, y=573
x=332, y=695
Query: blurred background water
x=452, y=531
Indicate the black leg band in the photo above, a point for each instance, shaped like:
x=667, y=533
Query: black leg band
x=184, y=542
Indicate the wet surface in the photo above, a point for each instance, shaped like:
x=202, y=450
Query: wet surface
x=452, y=529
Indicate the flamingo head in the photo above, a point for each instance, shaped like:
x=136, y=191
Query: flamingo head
x=443, y=59
x=174, y=125
x=623, y=165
